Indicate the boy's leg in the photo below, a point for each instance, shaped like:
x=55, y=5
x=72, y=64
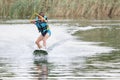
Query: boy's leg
x=40, y=38
x=44, y=39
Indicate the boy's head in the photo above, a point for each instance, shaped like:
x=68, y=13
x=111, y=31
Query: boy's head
x=41, y=13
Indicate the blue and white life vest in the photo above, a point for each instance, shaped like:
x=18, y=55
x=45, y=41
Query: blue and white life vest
x=42, y=26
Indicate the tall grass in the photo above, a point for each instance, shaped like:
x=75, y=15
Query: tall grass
x=59, y=8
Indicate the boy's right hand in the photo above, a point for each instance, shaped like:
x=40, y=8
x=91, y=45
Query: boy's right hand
x=32, y=21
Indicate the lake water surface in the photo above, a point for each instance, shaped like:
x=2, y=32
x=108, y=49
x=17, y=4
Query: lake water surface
x=77, y=50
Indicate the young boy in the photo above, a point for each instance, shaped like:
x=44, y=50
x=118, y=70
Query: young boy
x=41, y=23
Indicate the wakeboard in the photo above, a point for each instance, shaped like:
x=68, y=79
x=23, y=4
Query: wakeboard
x=40, y=52
x=40, y=55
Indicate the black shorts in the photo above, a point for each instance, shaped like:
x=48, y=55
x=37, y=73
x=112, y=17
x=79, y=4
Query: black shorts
x=44, y=33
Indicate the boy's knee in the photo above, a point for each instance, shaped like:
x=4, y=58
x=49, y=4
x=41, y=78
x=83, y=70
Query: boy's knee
x=36, y=42
x=44, y=40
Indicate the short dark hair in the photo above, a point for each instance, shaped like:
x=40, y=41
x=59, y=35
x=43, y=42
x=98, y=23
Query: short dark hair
x=41, y=13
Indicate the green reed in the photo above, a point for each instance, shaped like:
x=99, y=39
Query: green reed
x=14, y=9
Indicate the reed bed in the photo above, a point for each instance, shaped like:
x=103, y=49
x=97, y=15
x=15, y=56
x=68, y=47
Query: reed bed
x=16, y=9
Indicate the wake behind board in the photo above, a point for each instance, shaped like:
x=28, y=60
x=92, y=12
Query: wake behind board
x=40, y=52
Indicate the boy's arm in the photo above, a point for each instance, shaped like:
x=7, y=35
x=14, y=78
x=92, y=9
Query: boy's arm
x=33, y=21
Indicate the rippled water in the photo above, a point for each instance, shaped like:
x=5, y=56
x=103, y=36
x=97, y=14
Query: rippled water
x=75, y=52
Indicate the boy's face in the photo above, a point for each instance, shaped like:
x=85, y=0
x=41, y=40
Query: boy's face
x=42, y=14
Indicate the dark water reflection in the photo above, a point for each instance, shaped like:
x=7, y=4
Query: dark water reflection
x=41, y=68
x=5, y=70
x=110, y=35
x=105, y=64
x=90, y=53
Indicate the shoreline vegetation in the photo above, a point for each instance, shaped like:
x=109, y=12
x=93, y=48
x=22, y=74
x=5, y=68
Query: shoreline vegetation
x=23, y=9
